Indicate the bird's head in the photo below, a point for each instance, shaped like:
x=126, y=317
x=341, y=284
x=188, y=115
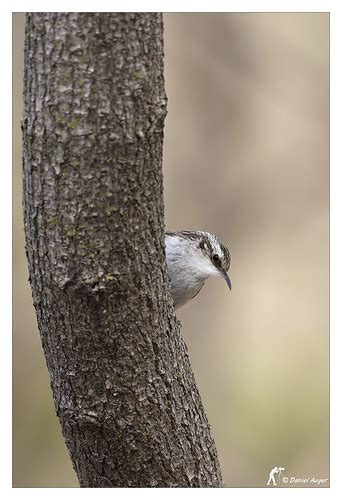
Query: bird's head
x=198, y=254
x=214, y=257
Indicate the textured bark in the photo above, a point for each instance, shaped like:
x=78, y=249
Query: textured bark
x=123, y=388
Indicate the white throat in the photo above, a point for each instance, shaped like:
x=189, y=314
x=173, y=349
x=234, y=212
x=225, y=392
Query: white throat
x=188, y=267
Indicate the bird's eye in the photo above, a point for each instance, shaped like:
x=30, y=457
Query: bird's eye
x=216, y=258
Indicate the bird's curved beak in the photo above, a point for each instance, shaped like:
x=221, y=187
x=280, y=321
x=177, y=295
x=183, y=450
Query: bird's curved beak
x=227, y=279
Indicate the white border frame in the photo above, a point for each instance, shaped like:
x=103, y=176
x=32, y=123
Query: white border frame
x=336, y=223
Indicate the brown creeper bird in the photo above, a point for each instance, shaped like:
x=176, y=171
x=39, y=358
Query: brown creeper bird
x=192, y=257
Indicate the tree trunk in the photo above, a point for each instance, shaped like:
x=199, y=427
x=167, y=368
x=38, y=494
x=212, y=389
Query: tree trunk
x=123, y=388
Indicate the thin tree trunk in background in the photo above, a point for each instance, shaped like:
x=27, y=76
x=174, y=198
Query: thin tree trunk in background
x=123, y=388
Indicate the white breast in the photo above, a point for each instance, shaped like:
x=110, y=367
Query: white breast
x=186, y=269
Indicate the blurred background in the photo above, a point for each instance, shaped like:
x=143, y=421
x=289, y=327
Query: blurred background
x=246, y=156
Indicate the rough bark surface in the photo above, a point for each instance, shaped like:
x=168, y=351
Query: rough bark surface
x=123, y=388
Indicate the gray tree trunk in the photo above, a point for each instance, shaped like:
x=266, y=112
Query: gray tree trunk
x=123, y=388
